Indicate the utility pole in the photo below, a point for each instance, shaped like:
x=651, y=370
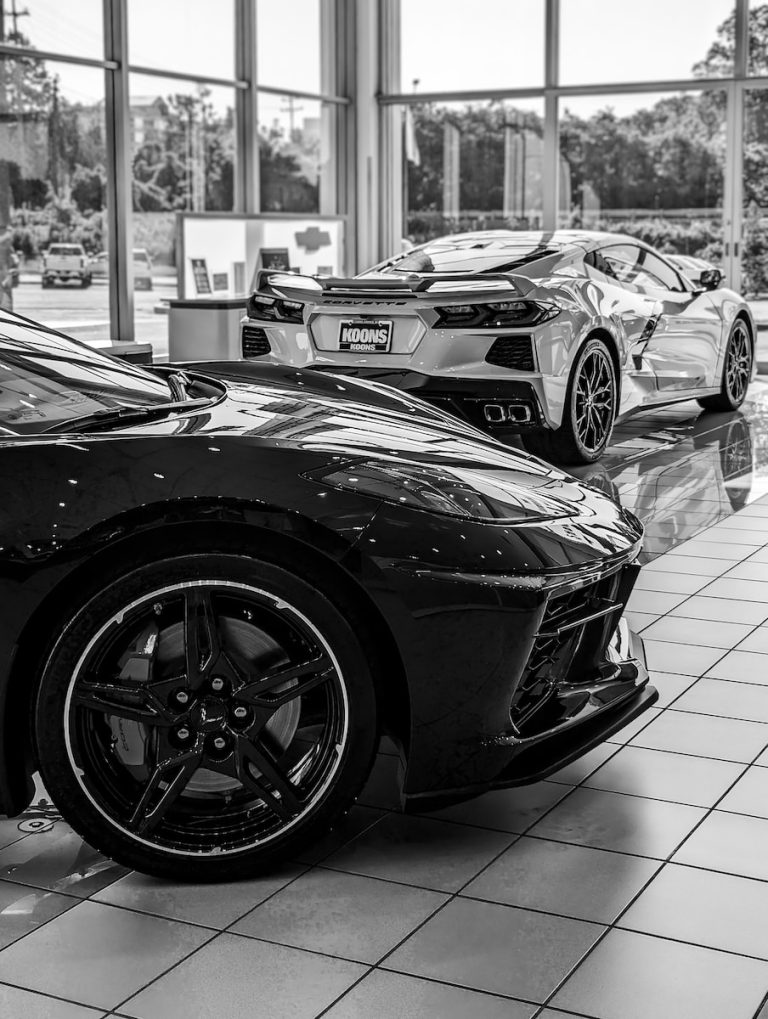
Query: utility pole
x=291, y=109
x=15, y=15
x=53, y=139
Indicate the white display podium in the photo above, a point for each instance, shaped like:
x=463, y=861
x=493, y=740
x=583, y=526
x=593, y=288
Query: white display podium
x=205, y=328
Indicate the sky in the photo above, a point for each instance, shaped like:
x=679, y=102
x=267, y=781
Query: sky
x=500, y=45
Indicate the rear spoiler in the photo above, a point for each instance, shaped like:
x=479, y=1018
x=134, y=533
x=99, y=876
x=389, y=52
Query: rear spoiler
x=296, y=287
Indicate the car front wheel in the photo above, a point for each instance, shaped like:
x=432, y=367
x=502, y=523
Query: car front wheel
x=205, y=717
x=737, y=371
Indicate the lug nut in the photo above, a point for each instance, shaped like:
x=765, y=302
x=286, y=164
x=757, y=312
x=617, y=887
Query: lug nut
x=183, y=733
x=241, y=712
x=219, y=742
x=182, y=697
x=217, y=684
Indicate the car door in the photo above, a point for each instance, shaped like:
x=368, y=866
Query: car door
x=682, y=352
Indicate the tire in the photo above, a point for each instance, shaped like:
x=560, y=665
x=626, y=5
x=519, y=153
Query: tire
x=46, y=284
x=192, y=759
x=737, y=371
x=584, y=433
x=85, y=282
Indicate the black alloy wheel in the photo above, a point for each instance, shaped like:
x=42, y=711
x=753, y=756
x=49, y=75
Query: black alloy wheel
x=589, y=413
x=204, y=717
x=737, y=371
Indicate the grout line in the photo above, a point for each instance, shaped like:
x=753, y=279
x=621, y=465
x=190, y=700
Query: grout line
x=759, y=1014
x=227, y=929
x=205, y=944
x=100, y=1011
x=669, y=859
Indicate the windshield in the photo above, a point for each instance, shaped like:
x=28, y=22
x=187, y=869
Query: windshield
x=46, y=381
x=65, y=249
x=471, y=255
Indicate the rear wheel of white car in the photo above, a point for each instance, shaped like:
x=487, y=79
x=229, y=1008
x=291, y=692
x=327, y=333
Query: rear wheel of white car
x=737, y=371
x=205, y=716
x=590, y=410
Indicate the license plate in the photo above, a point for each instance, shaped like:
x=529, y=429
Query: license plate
x=365, y=336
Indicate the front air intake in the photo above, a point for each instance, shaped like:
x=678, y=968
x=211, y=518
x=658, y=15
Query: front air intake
x=255, y=342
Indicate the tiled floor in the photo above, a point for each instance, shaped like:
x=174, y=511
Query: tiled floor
x=631, y=885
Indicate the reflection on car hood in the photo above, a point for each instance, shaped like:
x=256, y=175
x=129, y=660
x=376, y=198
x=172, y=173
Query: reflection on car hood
x=325, y=414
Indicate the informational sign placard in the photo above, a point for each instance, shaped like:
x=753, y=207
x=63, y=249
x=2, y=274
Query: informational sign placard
x=274, y=258
x=200, y=276
x=221, y=281
x=212, y=245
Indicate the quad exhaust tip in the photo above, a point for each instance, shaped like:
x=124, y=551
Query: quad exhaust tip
x=506, y=412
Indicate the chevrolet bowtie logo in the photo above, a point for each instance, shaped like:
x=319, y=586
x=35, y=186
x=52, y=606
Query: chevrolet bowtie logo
x=313, y=239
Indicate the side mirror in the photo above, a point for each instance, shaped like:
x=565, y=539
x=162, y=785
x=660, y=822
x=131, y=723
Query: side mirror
x=711, y=279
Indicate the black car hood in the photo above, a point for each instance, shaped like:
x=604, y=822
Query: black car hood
x=322, y=413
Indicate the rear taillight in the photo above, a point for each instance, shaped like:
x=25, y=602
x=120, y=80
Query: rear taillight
x=272, y=309
x=498, y=315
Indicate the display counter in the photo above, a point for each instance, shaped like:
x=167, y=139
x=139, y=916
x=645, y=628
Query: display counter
x=204, y=328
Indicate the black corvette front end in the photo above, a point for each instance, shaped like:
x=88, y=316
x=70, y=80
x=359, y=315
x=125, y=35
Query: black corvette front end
x=219, y=586
x=513, y=672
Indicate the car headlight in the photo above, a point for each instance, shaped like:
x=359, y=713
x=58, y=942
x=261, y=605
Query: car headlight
x=455, y=491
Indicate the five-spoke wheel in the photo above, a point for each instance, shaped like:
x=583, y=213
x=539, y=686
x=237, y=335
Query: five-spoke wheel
x=205, y=715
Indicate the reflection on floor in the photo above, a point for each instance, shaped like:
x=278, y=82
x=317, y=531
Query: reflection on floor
x=682, y=470
x=632, y=885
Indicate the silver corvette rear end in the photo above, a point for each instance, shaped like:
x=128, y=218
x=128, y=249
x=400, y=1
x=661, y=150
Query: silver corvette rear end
x=472, y=345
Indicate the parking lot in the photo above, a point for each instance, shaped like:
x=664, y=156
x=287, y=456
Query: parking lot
x=84, y=312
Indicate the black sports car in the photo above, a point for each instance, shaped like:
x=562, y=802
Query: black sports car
x=220, y=585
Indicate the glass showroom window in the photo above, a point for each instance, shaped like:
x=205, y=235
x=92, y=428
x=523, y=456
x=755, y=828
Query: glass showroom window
x=74, y=29
x=471, y=166
x=288, y=45
x=196, y=37
x=757, y=60
x=648, y=165
x=183, y=160
x=297, y=154
x=754, y=234
x=53, y=194
x=619, y=40
x=445, y=47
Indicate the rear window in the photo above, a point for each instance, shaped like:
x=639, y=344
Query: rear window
x=65, y=249
x=140, y=256
x=476, y=256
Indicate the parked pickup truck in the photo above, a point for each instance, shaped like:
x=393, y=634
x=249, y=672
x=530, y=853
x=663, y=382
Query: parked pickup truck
x=66, y=263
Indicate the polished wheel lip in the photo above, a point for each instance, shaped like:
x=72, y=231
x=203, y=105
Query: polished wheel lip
x=738, y=365
x=279, y=603
x=593, y=400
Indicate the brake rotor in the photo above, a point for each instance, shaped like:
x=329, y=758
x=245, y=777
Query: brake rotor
x=134, y=745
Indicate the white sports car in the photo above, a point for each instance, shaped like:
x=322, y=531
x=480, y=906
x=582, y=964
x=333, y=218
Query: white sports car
x=553, y=336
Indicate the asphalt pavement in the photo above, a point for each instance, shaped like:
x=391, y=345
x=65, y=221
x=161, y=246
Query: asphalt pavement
x=84, y=312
